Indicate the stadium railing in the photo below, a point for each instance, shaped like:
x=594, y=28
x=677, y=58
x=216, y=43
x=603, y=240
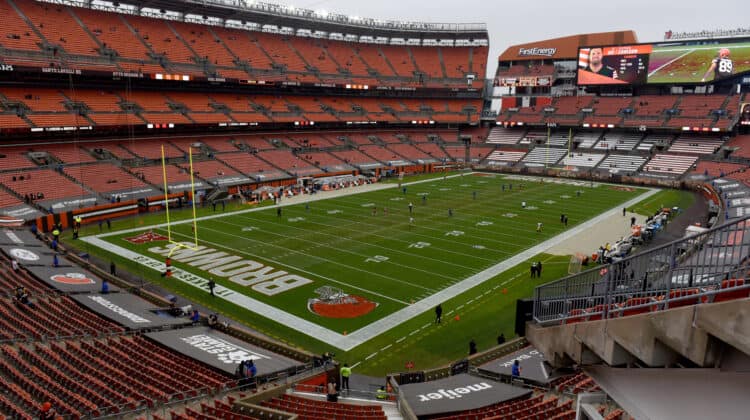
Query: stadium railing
x=707, y=267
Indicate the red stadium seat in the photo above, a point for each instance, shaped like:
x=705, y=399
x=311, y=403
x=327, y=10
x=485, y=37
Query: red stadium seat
x=732, y=294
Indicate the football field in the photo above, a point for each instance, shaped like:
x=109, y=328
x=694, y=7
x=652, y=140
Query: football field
x=346, y=269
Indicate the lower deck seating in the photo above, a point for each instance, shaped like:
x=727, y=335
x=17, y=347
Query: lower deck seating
x=618, y=141
x=534, y=136
x=652, y=139
x=355, y=157
x=432, y=150
x=209, y=169
x=538, y=407
x=584, y=160
x=697, y=145
x=246, y=163
x=104, y=178
x=94, y=377
x=381, y=154
x=670, y=164
x=49, y=317
x=49, y=183
x=616, y=163
x=410, y=152
x=152, y=149
x=718, y=169
x=155, y=174
x=558, y=139
x=10, y=280
x=218, y=411
x=742, y=145
x=309, y=408
x=586, y=140
x=15, y=157
x=500, y=135
x=286, y=160
x=506, y=156
x=326, y=161
x=8, y=200
x=540, y=156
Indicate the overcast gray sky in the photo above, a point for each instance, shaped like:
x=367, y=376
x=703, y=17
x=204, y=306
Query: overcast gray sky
x=515, y=22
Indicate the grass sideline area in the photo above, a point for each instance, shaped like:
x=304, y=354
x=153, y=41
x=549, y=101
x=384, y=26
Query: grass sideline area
x=494, y=220
x=664, y=198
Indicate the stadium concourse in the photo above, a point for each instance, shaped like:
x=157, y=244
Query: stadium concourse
x=110, y=111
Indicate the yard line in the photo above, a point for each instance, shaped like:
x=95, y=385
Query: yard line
x=402, y=229
x=371, y=356
x=401, y=339
x=387, y=347
x=379, y=228
x=529, y=194
x=279, y=263
x=343, y=250
x=356, y=364
x=526, y=195
x=349, y=238
x=221, y=232
x=474, y=233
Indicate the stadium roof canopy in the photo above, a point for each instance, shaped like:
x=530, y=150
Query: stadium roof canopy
x=565, y=48
x=217, y=12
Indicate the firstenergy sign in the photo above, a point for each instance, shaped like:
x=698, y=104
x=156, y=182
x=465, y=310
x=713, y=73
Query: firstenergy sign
x=530, y=52
x=261, y=278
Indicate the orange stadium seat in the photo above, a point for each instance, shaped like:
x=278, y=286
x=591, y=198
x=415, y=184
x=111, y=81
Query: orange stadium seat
x=46, y=181
x=59, y=28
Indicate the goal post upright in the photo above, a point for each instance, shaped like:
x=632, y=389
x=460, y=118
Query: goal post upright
x=192, y=198
x=177, y=244
x=166, y=193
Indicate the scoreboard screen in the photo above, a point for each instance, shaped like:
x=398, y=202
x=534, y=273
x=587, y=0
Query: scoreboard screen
x=690, y=61
x=622, y=64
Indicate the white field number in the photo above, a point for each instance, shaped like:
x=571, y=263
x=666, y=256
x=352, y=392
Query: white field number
x=420, y=245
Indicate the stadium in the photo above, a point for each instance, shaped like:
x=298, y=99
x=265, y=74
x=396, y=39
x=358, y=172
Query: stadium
x=242, y=210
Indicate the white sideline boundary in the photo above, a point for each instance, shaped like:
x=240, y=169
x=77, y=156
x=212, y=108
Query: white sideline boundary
x=370, y=331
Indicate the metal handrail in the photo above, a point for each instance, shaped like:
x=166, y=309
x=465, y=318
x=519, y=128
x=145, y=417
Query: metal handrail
x=699, y=263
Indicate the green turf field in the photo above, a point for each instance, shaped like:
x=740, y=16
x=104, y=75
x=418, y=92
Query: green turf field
x=386, y=259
